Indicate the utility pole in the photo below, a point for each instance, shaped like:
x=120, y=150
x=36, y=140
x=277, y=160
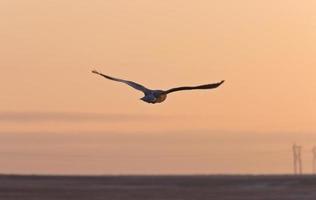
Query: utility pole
x=294, y=158
x=297, y=160
x=314, y=159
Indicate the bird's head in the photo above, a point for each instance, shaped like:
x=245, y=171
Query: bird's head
x=148, y=99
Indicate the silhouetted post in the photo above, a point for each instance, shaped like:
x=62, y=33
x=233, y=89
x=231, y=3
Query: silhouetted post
x=297, y=160
x=314, y=159
x=294, y=158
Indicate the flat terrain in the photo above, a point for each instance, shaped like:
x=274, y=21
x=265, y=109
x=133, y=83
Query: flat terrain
x=157, y=187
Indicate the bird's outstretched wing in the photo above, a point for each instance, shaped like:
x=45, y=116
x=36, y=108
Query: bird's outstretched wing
x=130, y=83
x=207, y=86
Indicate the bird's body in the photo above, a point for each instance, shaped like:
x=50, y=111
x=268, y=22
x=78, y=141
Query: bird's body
x=158, y=96
x=161, y=98
x=155, y=96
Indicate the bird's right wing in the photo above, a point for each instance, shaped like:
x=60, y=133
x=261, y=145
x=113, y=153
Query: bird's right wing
x=207, y=86
x=130, y=83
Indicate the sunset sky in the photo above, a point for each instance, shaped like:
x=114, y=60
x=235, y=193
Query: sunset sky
x=56, y=117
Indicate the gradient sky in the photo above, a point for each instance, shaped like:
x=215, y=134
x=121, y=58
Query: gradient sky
x=57, y=117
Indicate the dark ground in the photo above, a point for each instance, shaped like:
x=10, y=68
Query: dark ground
x=157, y=187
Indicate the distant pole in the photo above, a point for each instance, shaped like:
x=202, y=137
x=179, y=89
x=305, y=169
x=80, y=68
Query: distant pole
x=297, y=159
x=314, y=159
x=294, y=158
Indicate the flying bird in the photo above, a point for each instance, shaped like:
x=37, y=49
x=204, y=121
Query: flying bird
x=158, y=96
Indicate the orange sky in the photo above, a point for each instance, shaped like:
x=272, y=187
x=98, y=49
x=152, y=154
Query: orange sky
x=57, y=117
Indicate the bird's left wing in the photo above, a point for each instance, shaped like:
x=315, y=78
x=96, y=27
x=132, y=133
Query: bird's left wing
x=207, y=86
x=130, y=83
